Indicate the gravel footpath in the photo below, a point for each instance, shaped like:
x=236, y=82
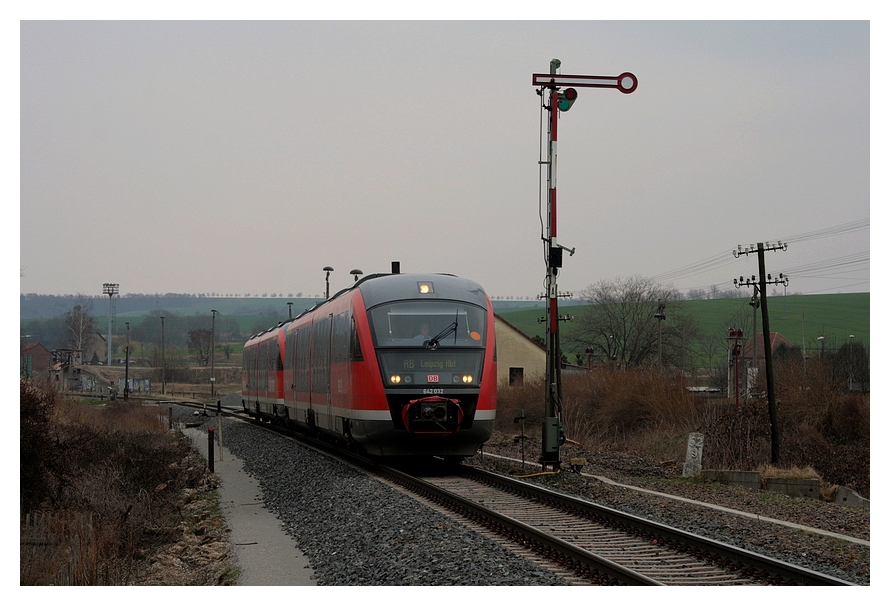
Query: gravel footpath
x=357, y=531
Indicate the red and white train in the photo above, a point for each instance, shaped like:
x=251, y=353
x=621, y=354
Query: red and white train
x=397, y=365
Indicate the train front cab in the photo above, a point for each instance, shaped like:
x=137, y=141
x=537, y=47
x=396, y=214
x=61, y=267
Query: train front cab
x=436, y=362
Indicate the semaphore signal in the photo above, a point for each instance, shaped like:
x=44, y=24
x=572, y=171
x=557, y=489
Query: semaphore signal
x=553, y=431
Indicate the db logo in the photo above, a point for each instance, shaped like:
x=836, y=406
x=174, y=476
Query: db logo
x=432, y=378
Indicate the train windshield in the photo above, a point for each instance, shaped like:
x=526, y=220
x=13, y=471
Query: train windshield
x=429, y=324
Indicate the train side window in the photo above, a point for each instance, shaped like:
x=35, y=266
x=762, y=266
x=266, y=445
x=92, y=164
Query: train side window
x=303, y=359
x=355, y=347
x=290, y=350
x=321, y=351
x=340, y=337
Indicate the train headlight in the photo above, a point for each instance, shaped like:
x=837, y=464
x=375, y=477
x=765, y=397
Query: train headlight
x=468, y=378
x=395, y=379
x=437, y=411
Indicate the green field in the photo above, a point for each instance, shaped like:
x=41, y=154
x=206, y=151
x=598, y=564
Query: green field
x=229, y=307
x=798, y=318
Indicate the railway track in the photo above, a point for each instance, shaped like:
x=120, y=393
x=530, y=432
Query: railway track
x=597, y=544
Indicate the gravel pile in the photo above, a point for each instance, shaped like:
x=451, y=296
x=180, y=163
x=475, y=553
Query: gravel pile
x=357, y=531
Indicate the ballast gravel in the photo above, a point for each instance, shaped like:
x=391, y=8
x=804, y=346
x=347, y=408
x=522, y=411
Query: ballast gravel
x=357, y=531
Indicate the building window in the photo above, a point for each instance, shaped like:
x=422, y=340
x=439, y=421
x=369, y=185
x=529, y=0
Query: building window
x=515, y=376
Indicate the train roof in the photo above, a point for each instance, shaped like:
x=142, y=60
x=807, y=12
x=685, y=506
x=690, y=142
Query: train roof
x=382, y=288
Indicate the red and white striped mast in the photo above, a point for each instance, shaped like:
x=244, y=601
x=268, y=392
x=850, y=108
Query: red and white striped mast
x=553, y=432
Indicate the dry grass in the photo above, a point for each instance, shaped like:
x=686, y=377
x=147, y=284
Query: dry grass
x=610, y=409
x=643, y=411
x=102, y=489
x=789, y=473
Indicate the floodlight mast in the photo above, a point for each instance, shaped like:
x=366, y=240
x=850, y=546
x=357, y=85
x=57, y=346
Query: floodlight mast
x=553, y=431
x=111, y=289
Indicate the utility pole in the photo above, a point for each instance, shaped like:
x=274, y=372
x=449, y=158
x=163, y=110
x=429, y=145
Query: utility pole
x=767, y=346
x=163, y=361
x=553, y=432
x=127, y=367
x=213, y=313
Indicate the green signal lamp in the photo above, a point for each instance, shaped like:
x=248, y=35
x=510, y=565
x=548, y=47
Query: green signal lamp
x=566, y=99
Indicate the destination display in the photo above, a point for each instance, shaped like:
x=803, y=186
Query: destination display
x=440, y=368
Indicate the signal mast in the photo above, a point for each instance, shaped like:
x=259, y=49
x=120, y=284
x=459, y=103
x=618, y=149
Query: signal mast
x=553, y=431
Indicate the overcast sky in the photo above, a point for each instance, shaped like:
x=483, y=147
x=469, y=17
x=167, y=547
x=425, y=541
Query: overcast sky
x=243, y=157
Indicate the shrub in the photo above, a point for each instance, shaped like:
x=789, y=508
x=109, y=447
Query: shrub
x=38, y=443
x=101, y=488
x=645, y=411
x=607, y=408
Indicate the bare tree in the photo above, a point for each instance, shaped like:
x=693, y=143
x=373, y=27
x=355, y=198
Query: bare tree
x=80, y=325
x=621, y=323
x=200, y=342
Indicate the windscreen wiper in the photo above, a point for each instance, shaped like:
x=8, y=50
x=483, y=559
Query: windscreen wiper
x=451, y=328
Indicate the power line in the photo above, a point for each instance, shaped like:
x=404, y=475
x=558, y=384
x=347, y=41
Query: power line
x=721, y=259
x=830, y=231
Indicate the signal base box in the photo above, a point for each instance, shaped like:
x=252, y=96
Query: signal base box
x=550, y=435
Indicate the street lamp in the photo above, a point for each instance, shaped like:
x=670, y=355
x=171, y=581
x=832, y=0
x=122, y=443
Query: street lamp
x=163, y=362
x=356, y=273
x=821, y=340
x=213, y=313
x=735, y=337
x=660, y=316
x=327, y=281
x=127, y=366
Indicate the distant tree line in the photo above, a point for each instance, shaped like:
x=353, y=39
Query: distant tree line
x=54, y=306
x=77, y=329
x=33, y=305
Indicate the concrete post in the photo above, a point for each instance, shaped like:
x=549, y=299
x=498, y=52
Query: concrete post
x=694, y=447
x=210, y=448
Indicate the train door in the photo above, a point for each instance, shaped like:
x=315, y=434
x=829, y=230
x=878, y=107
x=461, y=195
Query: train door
x=329, y=415
x=290, y=373
x=320, y=385
x=341, y=371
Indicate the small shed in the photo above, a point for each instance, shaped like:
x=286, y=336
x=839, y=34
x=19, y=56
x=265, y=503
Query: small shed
x=35, y=359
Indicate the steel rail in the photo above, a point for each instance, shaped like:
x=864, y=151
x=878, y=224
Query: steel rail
x=722, y=554
x=581, y=561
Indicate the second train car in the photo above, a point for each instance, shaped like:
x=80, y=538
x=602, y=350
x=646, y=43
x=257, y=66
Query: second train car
x=398, y=365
